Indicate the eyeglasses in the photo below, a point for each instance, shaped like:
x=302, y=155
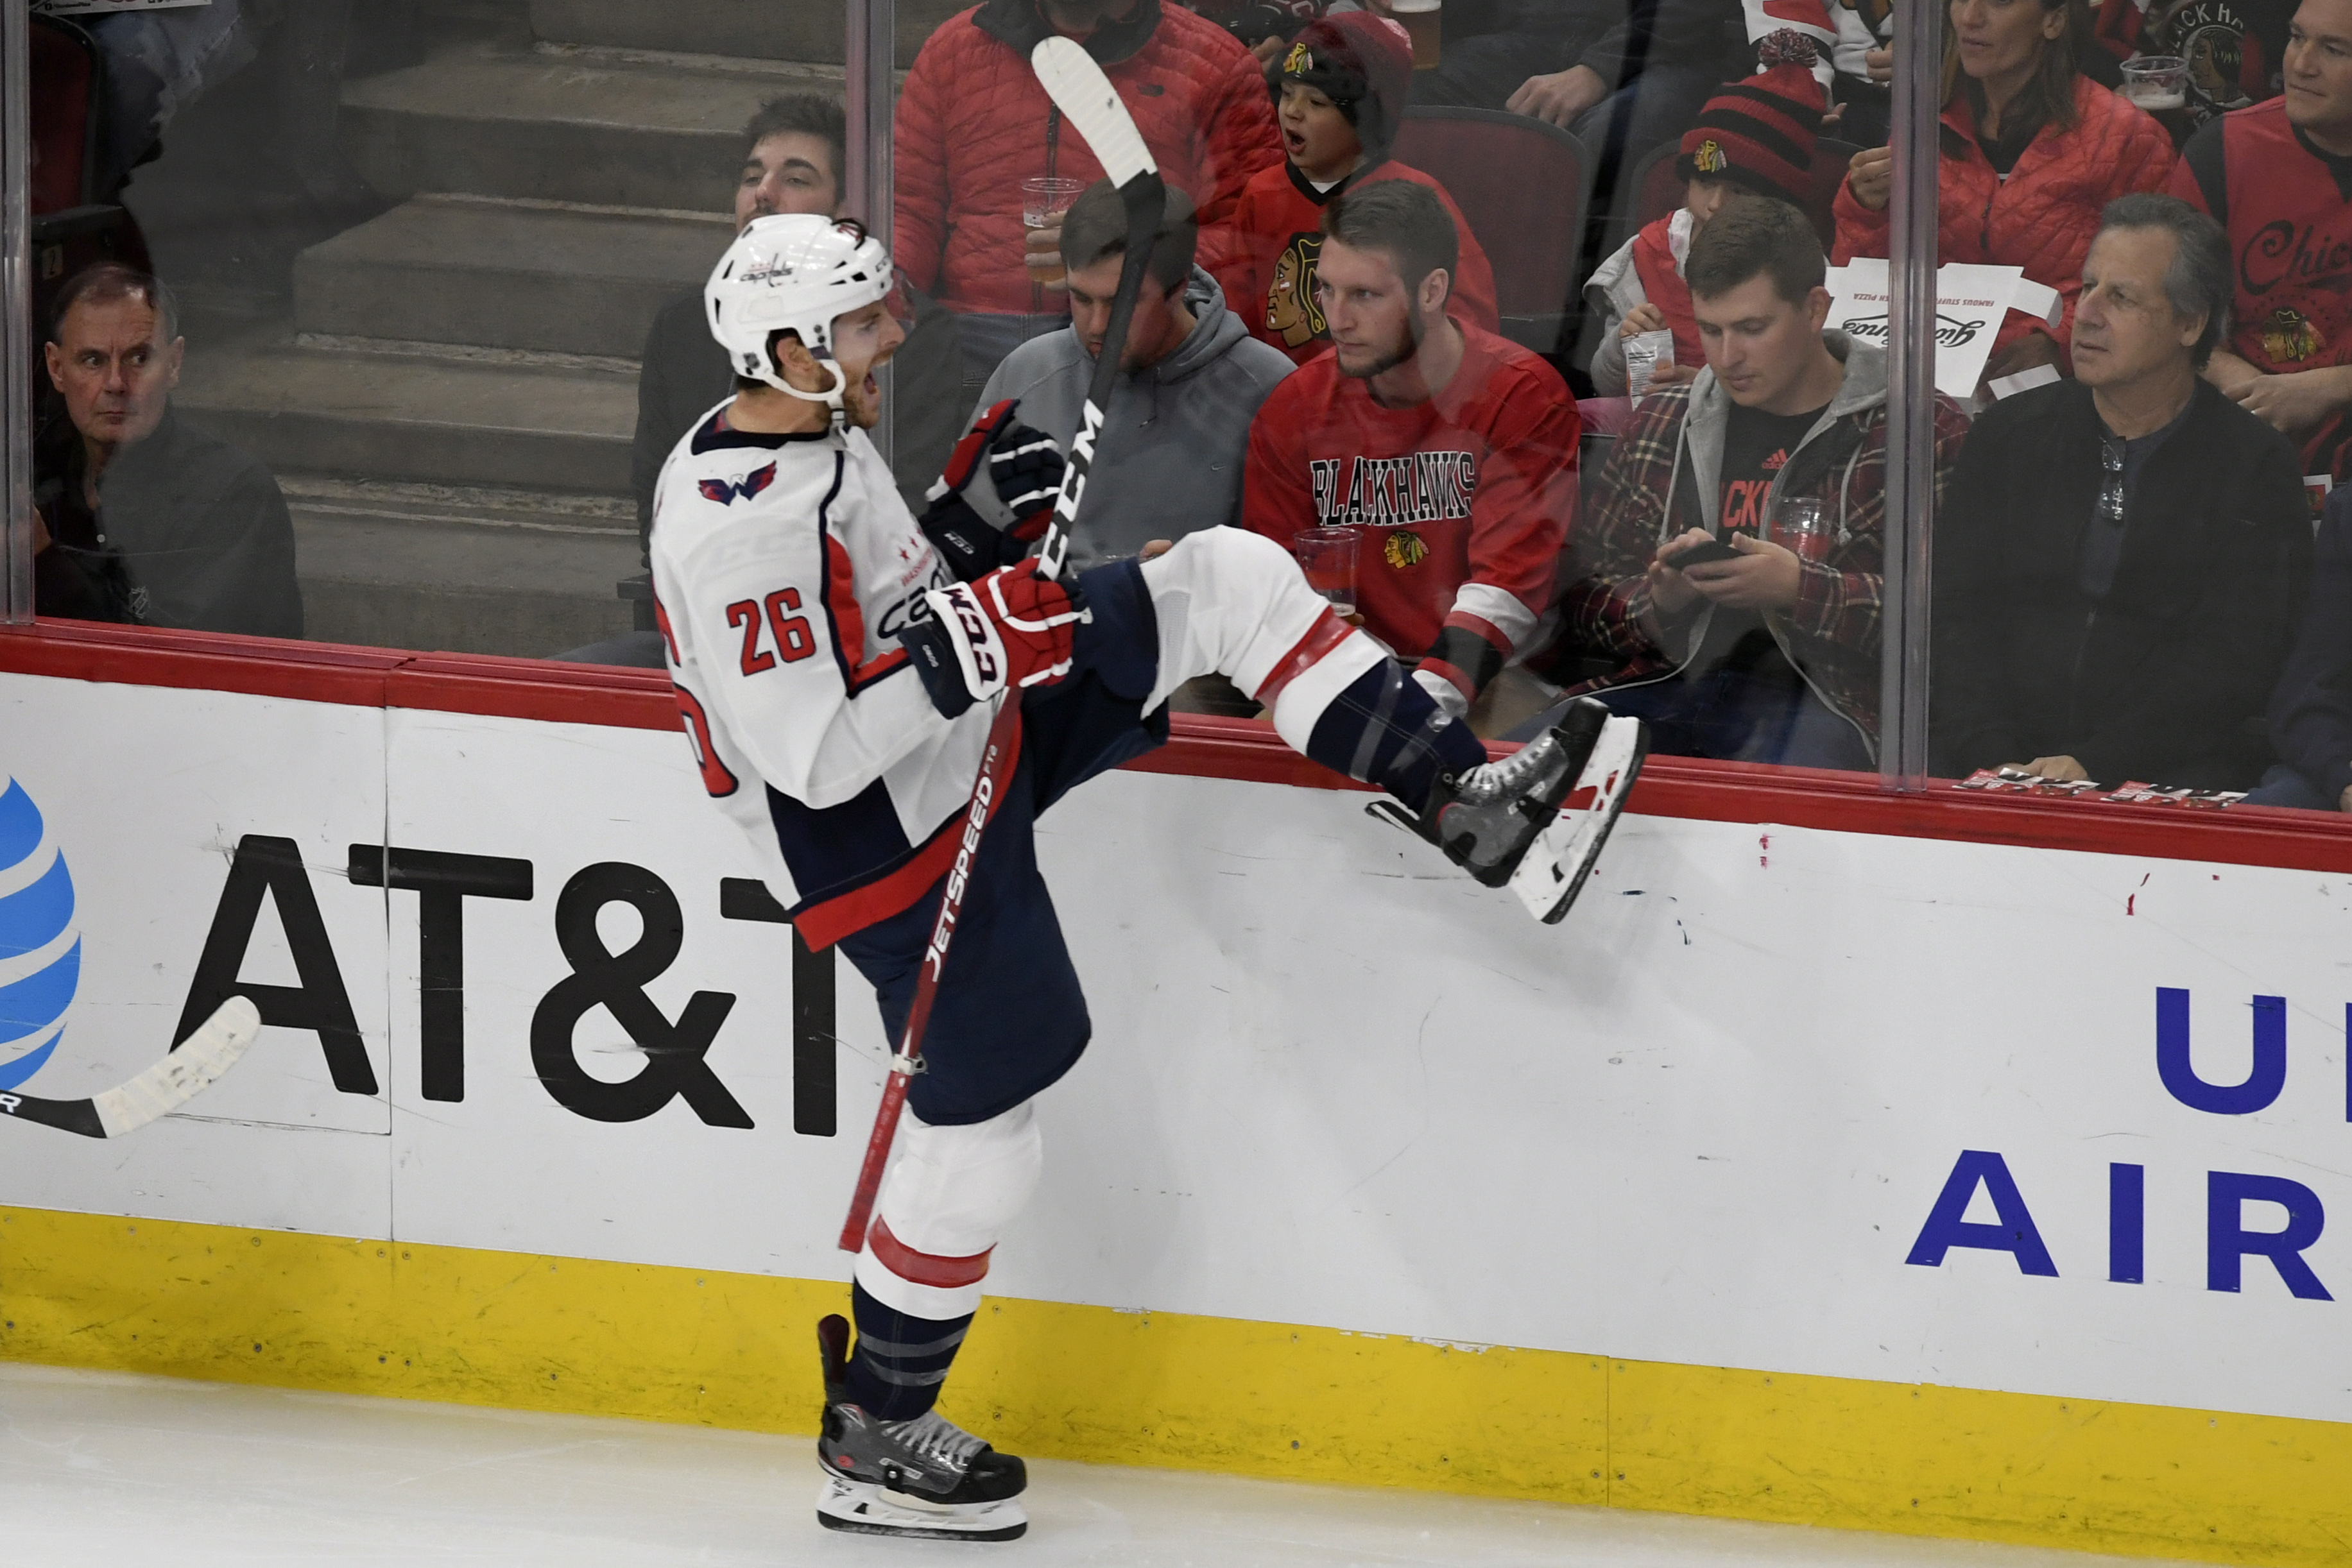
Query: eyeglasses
x=2111, y=494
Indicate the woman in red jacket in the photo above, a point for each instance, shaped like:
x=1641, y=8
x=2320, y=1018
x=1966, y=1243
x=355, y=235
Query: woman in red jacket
x=2031, y=150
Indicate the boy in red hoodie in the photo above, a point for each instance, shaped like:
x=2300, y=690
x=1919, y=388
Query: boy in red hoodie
x=1344, y=83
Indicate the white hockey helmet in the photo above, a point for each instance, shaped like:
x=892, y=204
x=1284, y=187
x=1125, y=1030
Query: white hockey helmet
x=795, y=270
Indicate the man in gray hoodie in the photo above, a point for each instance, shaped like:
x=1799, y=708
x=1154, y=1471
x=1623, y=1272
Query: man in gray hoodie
x=1170, y=460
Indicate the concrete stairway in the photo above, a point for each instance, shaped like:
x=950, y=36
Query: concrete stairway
x=451, y=402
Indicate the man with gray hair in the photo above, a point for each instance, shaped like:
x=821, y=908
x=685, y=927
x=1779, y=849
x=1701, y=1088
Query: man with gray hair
x=2121, y=555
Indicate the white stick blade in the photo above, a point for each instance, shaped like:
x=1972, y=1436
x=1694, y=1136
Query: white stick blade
x=184, y=1074
x=1092, y=105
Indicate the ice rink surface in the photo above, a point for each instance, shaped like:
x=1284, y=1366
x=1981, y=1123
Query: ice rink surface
x=102, y=1468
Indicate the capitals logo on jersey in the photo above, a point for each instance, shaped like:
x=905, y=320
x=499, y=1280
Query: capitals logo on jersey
x=725, y=491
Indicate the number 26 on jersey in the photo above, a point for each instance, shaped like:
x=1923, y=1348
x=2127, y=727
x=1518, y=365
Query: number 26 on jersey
x=788, y=633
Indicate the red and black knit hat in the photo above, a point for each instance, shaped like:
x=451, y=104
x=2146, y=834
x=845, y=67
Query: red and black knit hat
x=1362, y=63
x=1760, y=132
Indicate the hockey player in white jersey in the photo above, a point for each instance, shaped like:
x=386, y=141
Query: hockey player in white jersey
x=836, y=663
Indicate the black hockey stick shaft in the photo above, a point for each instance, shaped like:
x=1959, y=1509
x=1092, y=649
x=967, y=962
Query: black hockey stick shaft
x=1145, y=198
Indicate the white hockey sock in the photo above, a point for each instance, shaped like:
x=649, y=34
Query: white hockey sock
x=949, y=1196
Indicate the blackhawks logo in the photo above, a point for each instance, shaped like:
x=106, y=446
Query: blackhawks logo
x=1710, y=158
x=2289, y=338
x=1405, y=548
x=1300, y=60
x=1290, y=309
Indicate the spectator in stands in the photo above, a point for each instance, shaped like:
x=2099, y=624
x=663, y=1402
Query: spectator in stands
x=1623, y=78
x=199, y=529
x=1770, y=655
x=2233, y=47
x=1853, y=57
x=794, y=150
x=1753, y=138
x=2310, y=707
x=2032, y=150
x=973, y=123
x=1193, y=381
x=1343, y=86
x=2122, y=556
x=1453, y=450
x=2278, y=178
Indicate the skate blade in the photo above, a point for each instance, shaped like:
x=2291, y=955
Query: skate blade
x=862, y=1508
x=1552, y=872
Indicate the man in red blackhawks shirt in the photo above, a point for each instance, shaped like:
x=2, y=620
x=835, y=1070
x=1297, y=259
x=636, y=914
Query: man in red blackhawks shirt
x=2278, y=178
x=1452, y=449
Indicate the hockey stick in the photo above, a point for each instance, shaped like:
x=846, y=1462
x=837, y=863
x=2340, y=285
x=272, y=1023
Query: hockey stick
x=1086, y=99
x=190, y=1068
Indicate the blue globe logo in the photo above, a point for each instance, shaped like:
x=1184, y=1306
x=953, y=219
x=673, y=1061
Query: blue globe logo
x=40, y=952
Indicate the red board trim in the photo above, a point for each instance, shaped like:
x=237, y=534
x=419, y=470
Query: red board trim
x=1244, y=750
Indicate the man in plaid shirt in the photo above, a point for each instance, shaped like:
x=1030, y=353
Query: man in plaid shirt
x=1766, y=652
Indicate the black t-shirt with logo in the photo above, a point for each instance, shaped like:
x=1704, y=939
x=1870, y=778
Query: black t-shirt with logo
x=1756, y=446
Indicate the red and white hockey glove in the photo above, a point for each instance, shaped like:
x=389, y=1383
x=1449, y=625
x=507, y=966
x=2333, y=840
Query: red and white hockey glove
x=996, y=495
x=1010, y=627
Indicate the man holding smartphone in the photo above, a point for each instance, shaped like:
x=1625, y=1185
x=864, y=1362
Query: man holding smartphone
x=1731, y=643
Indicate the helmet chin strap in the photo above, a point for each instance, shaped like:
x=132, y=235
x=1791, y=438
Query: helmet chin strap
x=830, y=397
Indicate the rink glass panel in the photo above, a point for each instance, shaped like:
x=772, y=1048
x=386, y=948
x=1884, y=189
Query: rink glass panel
x=422, y=254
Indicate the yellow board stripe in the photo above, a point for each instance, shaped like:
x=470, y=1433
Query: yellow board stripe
x=1043, y=1378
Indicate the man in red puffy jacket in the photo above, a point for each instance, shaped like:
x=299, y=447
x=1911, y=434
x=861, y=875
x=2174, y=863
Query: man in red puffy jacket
x=973, y=123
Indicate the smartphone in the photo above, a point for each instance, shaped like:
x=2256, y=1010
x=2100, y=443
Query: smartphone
x=1698, y=554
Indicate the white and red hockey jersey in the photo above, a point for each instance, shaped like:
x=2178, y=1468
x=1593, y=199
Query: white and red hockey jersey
x=782, y=566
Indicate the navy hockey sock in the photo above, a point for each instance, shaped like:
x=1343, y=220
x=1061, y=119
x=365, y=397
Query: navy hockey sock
x=1385, y=730
x=900, y=1360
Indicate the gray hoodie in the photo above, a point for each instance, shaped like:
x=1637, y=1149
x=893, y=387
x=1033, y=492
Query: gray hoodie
x=1170, y=460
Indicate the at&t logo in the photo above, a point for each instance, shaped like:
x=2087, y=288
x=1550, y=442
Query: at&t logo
x=40, y=951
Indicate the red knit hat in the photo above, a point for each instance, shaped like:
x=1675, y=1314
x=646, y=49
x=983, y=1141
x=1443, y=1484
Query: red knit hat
x=1760, y=132
x=1362, y=63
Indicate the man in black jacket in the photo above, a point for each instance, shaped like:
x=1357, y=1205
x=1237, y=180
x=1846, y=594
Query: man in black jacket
x=2120, y=557
x=2311, y=710
x=139, y=517
x=1581, y=64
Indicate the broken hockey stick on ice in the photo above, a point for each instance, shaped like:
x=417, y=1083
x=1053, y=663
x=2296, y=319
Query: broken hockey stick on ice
x=191, y=1067
x=1088, y=101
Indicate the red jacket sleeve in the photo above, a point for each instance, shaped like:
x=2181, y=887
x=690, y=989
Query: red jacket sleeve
x=1860, y=231
x=1241, y=140
x=919, y=171
x=1241, y=273
x=1526, y=504
x=1520, y=523
x=1276, y=497
x=2183, y=184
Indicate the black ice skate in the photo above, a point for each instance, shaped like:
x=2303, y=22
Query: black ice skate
x=924, y=1476
x=1536, y=821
